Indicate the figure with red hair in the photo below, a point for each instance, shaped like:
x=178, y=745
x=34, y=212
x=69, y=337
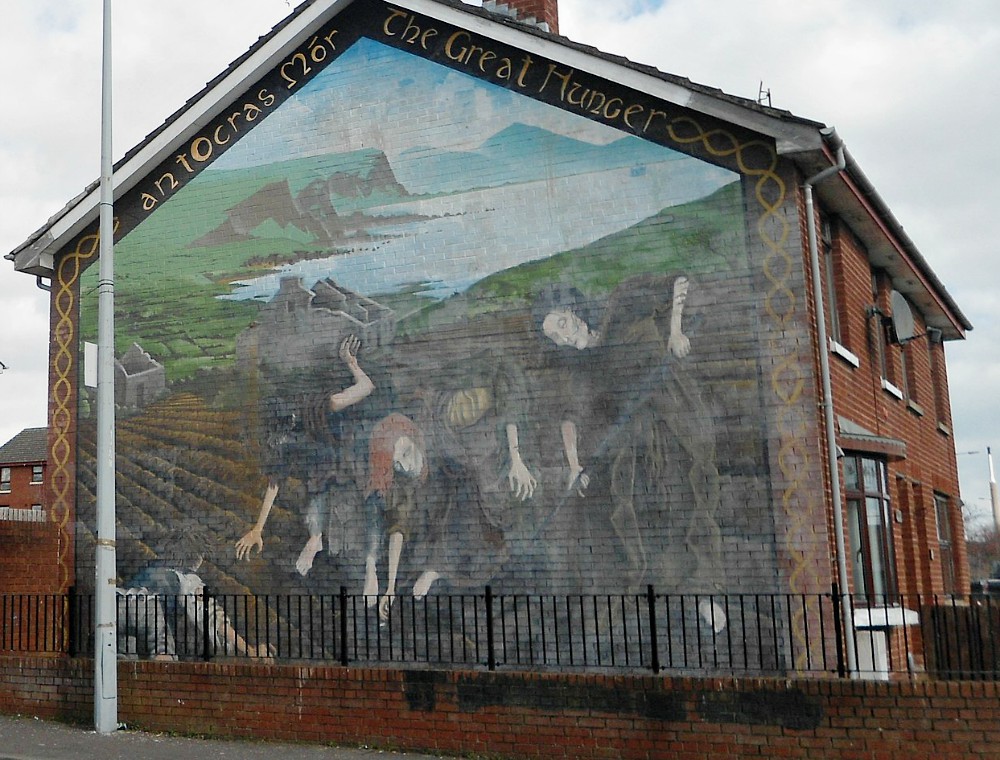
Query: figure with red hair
x=397, y=465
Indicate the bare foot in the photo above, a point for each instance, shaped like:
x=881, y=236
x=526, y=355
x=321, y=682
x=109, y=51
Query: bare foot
x=713, y=615
x=384, y=604
x=305, y=561
x=424, y=583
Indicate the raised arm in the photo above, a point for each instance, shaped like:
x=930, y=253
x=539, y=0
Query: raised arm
x=363, y=385
x=678, y=343
x=578, y=479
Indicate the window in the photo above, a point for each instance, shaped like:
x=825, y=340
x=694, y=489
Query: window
x=942, y=513
x=37, y=473
x=881, y=344
x=4, y=479
x=934, y=352
x=870, y=528
x=830, y=273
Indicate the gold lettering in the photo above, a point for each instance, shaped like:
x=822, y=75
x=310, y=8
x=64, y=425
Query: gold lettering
x=630, y=112
x=569, y=96
x=488, y=55
x=198, y=153
x=412, y=33
x=266, y=98
x=183, y=161
x=649, y=121
x=448, y=46
x=426, y=37
x=524, y=71
x=172, y=184
x=613, y=111
x=251, y=111
x=563, y=78
x=298, y=57
x=316, y=51
x=506, y=69
x=393, y=15
x=148, y=202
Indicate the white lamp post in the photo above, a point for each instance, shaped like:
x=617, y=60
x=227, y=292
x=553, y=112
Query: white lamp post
x=105, y=581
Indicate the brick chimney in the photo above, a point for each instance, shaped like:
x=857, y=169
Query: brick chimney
x=543, y=13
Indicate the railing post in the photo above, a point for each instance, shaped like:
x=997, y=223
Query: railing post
x=70, y=622
x=653, y=643
x=343, y=626
x=491, y=658
x=838, y=632
x=205, y=638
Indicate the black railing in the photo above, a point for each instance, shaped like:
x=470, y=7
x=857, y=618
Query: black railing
x=740, y=634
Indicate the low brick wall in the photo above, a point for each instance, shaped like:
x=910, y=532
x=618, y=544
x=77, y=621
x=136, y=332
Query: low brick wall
x=527, y=715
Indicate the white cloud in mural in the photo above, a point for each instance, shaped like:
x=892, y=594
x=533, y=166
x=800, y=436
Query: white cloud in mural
x=356, y=116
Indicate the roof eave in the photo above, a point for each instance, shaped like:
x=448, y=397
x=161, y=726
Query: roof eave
x=35, y=255
x=800, y=140
x=853, y=197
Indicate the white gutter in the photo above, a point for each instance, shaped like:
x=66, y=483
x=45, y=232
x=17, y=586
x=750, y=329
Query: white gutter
x=824, y=362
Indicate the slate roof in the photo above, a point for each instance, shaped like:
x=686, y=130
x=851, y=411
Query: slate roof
x=28, y=446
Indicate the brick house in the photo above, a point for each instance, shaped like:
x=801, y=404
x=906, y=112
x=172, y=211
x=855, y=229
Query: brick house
x=22, y=476
x=29, y=540
x=636, y=323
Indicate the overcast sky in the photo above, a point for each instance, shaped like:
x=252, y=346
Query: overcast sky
x=910, y=85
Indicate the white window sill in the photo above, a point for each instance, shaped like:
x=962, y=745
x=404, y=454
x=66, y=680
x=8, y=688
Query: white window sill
x=891, y=389
x=866, y=618
x=842, y=351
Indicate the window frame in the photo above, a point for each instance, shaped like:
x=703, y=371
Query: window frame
x=945, y=534
x=873, y=556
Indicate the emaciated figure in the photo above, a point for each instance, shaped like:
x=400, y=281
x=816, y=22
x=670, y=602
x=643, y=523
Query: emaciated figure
x=397, y=466
x=308, y=432
x=164, y=606
x=633, y=417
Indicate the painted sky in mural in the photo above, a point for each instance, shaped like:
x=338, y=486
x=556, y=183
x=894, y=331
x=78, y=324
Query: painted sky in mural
x=440, y=232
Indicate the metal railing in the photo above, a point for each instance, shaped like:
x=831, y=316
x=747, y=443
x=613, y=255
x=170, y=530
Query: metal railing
x=689, y=634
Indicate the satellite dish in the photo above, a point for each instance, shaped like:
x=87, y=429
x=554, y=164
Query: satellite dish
x=902, y=318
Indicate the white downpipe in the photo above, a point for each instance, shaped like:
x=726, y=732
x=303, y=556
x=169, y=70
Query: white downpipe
x=105, y=581
x=831, y=430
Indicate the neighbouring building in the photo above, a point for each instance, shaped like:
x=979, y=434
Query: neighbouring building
x=441, y=300
x=22, y=476
x=29, y=538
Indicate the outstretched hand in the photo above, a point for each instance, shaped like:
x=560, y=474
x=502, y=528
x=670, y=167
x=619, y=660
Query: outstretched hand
x=578, y=481
x=679, y=345
x=250, y=541
x=522, y=482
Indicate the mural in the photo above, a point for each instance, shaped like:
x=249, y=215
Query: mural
x=423, y=332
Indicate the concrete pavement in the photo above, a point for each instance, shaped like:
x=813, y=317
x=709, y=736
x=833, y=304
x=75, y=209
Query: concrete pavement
x=32, y=739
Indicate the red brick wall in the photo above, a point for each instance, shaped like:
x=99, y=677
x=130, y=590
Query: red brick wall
x=921, y=418
x=527, y=714
x=28, y=557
